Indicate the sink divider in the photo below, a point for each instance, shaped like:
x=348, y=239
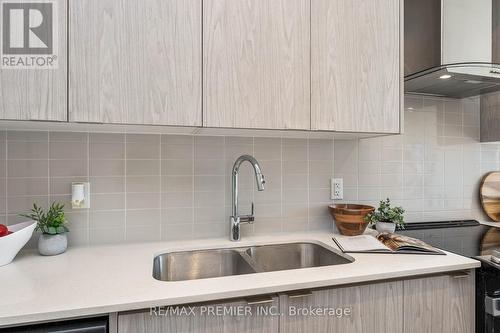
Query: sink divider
x=249, y=260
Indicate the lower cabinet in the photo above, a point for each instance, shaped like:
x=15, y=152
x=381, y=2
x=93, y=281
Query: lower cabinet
x=227, y=317
x=440, y=304
x=435, y=304
x=373, y=308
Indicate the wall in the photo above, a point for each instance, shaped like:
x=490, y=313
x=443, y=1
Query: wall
x=151, y=187
x=433, y=170
x=160, y=187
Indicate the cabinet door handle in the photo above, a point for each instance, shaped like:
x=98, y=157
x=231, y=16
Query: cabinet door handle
x=459, y=274
x=299, y=294
x=265, y=299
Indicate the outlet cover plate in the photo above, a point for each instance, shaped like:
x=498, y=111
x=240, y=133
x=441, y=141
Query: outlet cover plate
x=337, y=189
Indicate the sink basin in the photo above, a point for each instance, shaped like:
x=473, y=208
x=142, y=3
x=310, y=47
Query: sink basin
x=192, y=265
x=279, y=257
x=201, y=264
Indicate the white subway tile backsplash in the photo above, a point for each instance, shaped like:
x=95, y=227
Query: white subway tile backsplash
x=149, y=167
x=27, y=168
x=212, y=167
x=143, y=150
x=106, y=184
x=439, y=161
x=108, y=201
x=158, y=187
x=143, y=200
x=68, y=168
x=143, y=234
x=143, y=184
x=107, y=150
x=114, y=219
x=68, y=150
x=41, y=136
x=107, y=168
x=107, y=137
x=27, y=186
x=143, y=217
x=177, y=199
x=177, y=151
x=106, y=236
x=27, y=150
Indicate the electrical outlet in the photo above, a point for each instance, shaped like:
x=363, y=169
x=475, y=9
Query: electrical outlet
x=337, y=189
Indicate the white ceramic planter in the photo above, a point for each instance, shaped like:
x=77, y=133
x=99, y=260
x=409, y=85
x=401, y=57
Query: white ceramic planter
x=385, y=227
x=11, y=244
x=51, y=245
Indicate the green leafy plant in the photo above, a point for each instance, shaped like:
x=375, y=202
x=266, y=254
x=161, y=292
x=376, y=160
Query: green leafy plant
x=52, y=222
x=386, y=213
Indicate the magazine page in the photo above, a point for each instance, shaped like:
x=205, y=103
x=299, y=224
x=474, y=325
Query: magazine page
x=361, y=243
x=402, y=243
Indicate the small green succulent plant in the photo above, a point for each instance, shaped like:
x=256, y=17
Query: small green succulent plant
x=386, y=213
x=52, y=221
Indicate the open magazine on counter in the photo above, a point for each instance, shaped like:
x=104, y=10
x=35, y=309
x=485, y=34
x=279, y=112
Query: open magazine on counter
x=384, y=243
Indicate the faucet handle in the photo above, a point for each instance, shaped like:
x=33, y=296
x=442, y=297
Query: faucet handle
x=252, y=209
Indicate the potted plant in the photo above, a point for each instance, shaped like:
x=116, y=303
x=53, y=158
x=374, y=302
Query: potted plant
x=386, y=218
x=52, y=225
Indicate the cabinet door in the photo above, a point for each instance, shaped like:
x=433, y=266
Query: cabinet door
x=206, y=319
x=440, y=304
x=256, y=71
x=31, y=92
x=374, y=308
x=356, y=71
x=135, y=61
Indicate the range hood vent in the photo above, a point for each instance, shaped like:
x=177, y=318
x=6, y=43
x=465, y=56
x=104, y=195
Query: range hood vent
x=452, y=47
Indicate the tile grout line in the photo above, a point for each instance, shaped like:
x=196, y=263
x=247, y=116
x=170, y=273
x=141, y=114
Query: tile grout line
x=90, y=188
x=282, y=185
x=125, y=186
x=193, y=210
x=308, y=142
x=6, y=179
x=161, y=187
x=48, y=168
x=254, y=189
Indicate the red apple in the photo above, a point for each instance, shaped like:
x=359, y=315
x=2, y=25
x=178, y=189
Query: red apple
x=4, y=231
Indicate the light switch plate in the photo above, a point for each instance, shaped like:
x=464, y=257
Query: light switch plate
x=337, y=189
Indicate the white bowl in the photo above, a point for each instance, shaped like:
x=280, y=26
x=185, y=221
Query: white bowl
x=11, y=244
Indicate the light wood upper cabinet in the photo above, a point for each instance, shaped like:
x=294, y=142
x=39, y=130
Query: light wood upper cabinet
x=205, y=319
x=356, y=65
x=374, y=308
x=135, y=61
x=440, y=304
x=256, y=70
x=38, y=94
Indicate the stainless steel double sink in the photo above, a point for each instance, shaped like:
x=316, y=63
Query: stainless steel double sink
x=201, y=264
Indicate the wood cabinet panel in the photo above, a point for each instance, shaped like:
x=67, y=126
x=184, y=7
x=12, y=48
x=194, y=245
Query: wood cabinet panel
x=204, y=321
x=356, y=65
x=375, y=308
x=38, y=94
x=439, y=304
x=135, y=61
x=256, y=64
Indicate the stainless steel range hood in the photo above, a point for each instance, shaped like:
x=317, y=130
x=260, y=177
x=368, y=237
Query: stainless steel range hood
x=452, y=47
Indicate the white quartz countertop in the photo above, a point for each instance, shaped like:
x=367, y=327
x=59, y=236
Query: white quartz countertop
x=96, y=280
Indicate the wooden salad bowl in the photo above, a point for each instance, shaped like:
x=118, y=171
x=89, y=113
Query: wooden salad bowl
x=350, y=218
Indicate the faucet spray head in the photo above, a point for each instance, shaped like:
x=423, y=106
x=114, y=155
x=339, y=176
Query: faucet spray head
x=260, y=182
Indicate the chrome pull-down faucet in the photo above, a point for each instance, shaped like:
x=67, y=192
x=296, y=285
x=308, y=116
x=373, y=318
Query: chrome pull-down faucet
x=236, y=219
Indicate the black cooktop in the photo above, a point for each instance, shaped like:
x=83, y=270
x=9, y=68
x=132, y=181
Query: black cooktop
x=465, y=237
